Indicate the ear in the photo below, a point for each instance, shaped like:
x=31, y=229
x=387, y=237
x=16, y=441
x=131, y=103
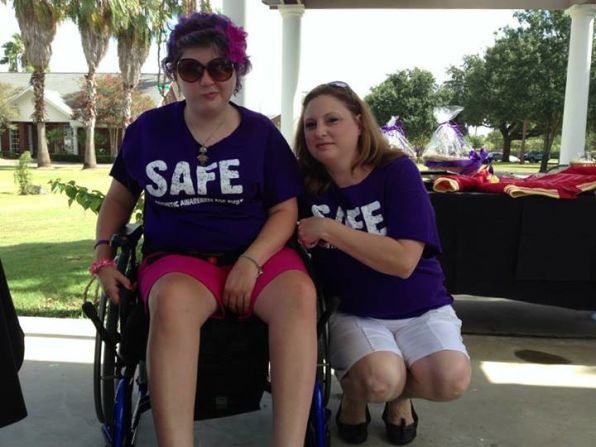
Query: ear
x=358, y=119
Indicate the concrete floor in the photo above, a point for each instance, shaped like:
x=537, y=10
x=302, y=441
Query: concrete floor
x=538, y=389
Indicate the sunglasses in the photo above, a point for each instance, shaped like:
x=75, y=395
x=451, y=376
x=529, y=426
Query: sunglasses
x=340, y=84
x=191, y=70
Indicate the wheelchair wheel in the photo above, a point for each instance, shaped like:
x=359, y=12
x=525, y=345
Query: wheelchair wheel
x=318, y=433
x=122, y=421
x=323, y=367
x=104, y=363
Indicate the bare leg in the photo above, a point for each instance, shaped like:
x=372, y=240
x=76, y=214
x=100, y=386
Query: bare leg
x=288, y=306
x=179, y=305
x=378, y=377
x=442, y=376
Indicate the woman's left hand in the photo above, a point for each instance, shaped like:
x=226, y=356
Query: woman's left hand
x=239, y=286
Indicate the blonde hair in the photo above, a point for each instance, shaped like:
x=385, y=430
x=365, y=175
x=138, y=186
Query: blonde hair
x=373, y=148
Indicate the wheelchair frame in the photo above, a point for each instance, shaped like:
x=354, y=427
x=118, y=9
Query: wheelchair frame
x=114, y=376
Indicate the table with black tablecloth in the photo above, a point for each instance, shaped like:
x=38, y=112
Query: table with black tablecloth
x=12, y=404
x=532, y=249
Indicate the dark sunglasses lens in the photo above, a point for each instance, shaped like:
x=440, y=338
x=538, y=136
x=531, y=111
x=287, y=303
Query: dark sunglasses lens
x=220, y=69
x=190, y=70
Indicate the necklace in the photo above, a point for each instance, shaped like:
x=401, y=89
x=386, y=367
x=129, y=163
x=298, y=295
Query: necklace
x=202, y=157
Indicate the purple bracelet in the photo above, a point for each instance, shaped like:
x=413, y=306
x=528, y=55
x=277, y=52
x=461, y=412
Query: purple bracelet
x=101, y=242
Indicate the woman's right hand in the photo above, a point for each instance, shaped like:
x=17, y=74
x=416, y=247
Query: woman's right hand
x=311, y=231
x=110, y=280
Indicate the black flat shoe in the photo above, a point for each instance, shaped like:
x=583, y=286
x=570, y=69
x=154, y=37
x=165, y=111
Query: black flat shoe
x=352, y=433
x=400, y=434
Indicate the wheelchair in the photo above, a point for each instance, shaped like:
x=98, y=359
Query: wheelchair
x=120, y=386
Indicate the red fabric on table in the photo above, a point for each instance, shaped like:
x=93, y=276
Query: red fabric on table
x=565, y=184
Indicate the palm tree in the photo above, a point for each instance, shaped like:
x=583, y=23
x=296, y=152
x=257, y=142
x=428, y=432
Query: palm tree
x=134, y=40
x=205, y=6
x=38, y=20
x=14, y=54
x=97, y=20
x=189, y=6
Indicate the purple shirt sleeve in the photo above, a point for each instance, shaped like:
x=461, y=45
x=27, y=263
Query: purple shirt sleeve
x=282, y=176
x=409, y=212
x=119, y=170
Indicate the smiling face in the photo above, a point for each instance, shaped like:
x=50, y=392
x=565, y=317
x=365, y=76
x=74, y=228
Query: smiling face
x=331, y=131
x=206, y=95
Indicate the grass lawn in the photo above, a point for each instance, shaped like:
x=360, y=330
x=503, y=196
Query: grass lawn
x=45, y=246
x=516, y=168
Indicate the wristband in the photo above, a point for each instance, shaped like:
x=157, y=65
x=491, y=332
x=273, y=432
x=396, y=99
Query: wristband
x=253, y=260
x=101, y=242
x=96, y=266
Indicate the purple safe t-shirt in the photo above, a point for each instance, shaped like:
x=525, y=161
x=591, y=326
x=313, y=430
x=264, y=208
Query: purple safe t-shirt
x=219, y=207
x=390, y=201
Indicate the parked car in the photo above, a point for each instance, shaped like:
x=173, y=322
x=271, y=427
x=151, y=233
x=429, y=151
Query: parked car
x=498, y=156
x=534, y=156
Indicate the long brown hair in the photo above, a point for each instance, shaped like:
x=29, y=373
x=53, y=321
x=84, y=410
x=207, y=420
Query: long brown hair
x=373, y=149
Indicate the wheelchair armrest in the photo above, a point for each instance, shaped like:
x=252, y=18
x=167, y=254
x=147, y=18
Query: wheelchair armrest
x=128, y=237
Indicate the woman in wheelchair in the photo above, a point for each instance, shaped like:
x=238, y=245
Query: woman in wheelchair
x=370, y=225
x=220, y=186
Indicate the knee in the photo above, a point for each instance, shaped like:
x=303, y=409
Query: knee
x=452, y=384
x=381, y=384
x=302, y=295
x=170, y=299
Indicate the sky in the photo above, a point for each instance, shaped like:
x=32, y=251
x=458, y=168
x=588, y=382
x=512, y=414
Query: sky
x=360, y=47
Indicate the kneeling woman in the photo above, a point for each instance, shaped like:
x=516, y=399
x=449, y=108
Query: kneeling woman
x=369, y=222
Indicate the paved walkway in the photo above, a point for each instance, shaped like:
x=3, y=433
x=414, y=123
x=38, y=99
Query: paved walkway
x=530, y=391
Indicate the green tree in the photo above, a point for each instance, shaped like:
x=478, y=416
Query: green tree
x=14, y=54
x=548, y=33
x=489, y=90
x=109, y=105
x=518, y=86
x=410, y=94
x=38, y=21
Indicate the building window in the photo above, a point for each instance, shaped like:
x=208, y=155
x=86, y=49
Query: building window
x=68, y=139
x=14, y=140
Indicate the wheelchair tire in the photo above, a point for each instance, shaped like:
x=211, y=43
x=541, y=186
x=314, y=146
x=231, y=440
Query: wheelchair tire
x=104, y=364
x=121, y=432
x=323, y=367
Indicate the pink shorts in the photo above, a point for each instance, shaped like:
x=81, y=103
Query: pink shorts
x=214, y=277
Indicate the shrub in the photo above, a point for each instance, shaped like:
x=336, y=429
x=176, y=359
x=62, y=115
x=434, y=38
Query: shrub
x=22, y=175
x=74, y=158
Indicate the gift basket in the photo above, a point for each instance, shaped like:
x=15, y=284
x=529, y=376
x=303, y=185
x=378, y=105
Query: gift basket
x=393, y=131
x=447, y=149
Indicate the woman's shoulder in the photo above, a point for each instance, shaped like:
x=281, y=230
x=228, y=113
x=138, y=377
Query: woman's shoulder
x=255, y=119
x=159, y=115
x=401, y=164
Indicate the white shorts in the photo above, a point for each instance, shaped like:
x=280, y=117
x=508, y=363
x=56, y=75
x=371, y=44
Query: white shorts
x=352, y=338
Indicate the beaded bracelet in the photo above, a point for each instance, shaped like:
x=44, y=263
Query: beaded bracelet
x=253, y=260
x=96, y=266
x=101, y=242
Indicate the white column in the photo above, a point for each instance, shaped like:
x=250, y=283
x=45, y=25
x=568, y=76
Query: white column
x=75, y=139
x=291, y=21
x=575, y=113
x=236, y=11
